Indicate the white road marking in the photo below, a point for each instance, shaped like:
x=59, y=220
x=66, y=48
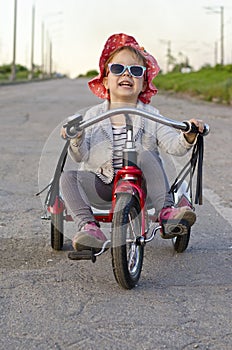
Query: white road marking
x=215, y=201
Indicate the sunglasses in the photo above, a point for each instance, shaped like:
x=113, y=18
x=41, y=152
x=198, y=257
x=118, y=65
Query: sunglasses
x=135, y=71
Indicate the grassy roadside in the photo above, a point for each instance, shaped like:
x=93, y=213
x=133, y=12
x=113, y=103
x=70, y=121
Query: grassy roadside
x=209, y=84
x=26, y=79
x=23, y=75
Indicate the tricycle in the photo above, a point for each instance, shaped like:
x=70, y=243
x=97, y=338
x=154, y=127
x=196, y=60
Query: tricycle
x=130, y=215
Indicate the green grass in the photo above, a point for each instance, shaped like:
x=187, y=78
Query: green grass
x=210, y=84
x=20, y=76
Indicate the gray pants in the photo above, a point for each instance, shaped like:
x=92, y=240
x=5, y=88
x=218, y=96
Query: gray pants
x=81, y=189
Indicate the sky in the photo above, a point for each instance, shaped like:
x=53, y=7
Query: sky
x=78, y=30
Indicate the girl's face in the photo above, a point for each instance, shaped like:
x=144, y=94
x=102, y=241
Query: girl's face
x=124, y=88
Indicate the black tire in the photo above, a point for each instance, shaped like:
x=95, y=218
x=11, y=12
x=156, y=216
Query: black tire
x=127, y=257
x=57, y=227
x=180, y=243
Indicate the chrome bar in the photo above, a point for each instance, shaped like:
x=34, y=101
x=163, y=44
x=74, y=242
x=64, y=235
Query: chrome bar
x=104, y=247
x=149, y=239
x=156, y=117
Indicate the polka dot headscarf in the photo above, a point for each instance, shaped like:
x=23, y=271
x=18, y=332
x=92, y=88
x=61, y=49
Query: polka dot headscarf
x=113, y=43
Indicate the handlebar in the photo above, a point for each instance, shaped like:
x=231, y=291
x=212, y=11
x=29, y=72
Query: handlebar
x=77, y=124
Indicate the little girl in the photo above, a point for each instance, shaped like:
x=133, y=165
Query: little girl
x=126, y=79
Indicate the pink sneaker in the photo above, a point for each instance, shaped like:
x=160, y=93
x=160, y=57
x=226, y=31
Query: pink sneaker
x=176, y=221
x=89, y=237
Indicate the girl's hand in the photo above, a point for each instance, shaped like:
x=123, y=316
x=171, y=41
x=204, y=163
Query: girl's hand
x=190, y=137
x=63, y=133
x=73, y=142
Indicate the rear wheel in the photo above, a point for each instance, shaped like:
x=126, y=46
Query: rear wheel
x=127, y=255
x=180, y=243
x=57, y=227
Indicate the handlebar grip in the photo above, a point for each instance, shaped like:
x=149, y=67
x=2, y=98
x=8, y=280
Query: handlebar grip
x=73, y=127
x=192, y=128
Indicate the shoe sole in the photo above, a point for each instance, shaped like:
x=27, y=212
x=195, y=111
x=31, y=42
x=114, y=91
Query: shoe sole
x=187, y=215
x=179, y=226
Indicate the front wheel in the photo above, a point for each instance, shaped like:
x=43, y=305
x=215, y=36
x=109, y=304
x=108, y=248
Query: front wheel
x=57, y=227
x=127, y=255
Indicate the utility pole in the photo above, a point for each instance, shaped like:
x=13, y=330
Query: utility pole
x=46, y=46
x=13, y=67
x=221, y=12
x=42, y=50
x=50, y=60
x=170, y=58
x=215, y=53
x=222, y=34
x=32, y=42
x=47, y=58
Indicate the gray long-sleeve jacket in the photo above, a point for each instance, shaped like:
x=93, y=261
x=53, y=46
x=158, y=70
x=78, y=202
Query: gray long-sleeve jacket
x=95, y=149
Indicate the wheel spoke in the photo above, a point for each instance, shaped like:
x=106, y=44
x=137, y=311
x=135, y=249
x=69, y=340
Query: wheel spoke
x=132, y=226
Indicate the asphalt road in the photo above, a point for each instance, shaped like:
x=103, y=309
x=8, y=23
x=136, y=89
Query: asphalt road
x=183, y=301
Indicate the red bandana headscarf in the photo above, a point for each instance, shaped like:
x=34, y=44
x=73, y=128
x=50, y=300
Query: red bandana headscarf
x=114, y=42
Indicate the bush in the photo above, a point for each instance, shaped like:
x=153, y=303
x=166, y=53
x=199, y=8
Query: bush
x=5, y=69
x=89, y=74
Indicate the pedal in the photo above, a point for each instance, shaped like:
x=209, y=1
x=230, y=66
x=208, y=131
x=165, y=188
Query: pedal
x=45, y=217
x=174, y=228
x=83, y=255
